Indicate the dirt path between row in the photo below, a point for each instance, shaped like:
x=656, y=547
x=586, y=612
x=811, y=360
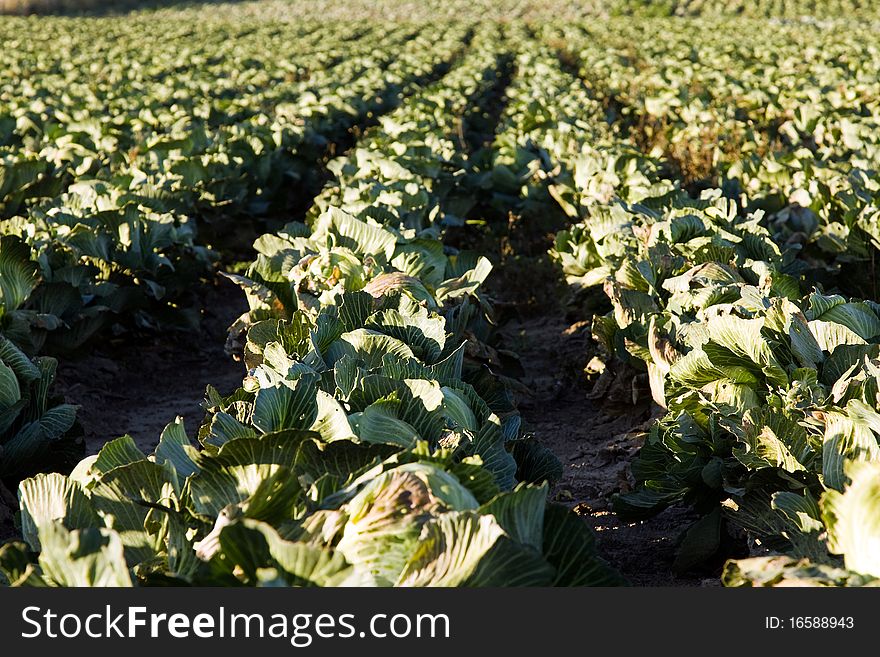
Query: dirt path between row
x=141, y=384
x=595, y=439
x=595, y=446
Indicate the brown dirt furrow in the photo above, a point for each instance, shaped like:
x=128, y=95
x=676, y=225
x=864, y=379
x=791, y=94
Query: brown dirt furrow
x=140, y=384
x=595, y=440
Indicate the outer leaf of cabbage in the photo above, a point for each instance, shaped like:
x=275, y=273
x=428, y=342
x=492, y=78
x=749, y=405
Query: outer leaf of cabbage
x=853, y=519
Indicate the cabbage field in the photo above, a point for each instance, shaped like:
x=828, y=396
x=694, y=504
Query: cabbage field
x=440, y=293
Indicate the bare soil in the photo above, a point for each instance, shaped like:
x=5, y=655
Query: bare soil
x=595, y=440
x=594, y=425
x=138, y=384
